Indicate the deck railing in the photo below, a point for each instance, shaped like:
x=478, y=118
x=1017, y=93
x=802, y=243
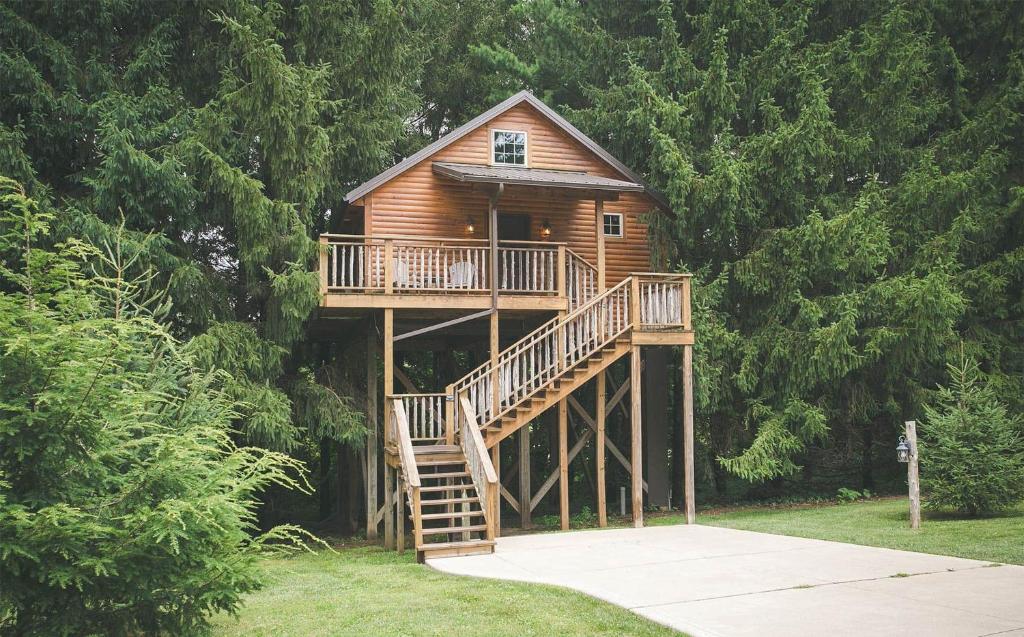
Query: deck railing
x=485, y=479
x=664, y=300
x=409, y=265
x=398, y=428
x=426, y=417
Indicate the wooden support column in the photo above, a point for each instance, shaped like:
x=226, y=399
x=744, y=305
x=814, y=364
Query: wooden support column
x=400, y=516
x=524, y=477
x=599, y=417
x=496, y=462
x=495, y=346
x=656, y=424
x=689, y=502
x=371, y=426
x=599, y=236
x=563, y=463
x=636, y=455
x=389, y=371
x=389, y=506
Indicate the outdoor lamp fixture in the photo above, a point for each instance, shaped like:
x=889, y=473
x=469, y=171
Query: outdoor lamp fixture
x=545, y=230
x=470, y=228
x=903, y=450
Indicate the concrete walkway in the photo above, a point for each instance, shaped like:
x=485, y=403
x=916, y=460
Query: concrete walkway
x=709, y=581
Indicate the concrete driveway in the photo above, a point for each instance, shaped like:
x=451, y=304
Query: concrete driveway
x=709, y=581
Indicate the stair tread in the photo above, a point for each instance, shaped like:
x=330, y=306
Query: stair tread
x=473, y=513
x=456, y=545
x=425, y=449
x=454, y=529
x=440, y=501
x=446, y=487
x=444, y=474
x=440, y=463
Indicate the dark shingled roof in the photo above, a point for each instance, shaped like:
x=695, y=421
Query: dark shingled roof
x=520, y=176
x=473, y=124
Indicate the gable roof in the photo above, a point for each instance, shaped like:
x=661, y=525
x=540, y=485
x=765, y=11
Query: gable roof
x=486, y=116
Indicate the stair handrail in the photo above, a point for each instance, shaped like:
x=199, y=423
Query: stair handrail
x=400, y=433
x=485, y=478
x=579, y=292
x=483, y=398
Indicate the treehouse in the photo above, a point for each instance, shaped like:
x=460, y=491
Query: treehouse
x=518, y=248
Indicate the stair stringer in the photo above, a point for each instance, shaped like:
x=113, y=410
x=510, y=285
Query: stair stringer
x=556, y=390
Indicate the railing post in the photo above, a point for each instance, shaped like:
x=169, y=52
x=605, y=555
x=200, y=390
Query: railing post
x=324, y=249
x=560, y=275
x=449, y=414
x=634, y=302
x=389, y=266
x=687, y=325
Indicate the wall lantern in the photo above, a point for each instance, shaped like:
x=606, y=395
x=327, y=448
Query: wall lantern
x=545, y=230
x=470, y=228
x=903, y=450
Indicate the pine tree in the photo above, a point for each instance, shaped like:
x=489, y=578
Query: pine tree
x=971, y=448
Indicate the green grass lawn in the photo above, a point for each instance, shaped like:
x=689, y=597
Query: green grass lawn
x=368, y=591
x=883, y=523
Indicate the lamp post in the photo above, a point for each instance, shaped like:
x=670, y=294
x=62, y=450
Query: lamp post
x=906, y=452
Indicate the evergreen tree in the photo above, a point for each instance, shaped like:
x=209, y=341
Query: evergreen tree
x=972, y=456
x=125, y=506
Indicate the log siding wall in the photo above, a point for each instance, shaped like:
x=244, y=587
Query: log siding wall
x=423, y=204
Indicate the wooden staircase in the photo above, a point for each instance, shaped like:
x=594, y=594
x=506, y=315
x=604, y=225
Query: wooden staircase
x=450, y=483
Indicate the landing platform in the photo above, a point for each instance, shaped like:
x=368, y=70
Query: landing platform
x=708, y=581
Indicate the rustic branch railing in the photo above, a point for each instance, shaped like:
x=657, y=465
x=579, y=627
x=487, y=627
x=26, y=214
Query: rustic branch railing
x=408, y=265
x=546, y=353
x=399, y=430
x=479, y=462
x=426, y=417
x=580, y=280
x=664, y=301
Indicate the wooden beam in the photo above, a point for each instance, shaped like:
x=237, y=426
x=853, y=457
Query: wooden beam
x=389, y=371
x=563, y=463
x=371, y=439
x=495, y=348
x=599, y=416
x=635, y=438
x=556, y=473
x=688, y=493
x=444, y=324
x=389, y=507
x=524, y=476
x=511, y=499
x=400, y=516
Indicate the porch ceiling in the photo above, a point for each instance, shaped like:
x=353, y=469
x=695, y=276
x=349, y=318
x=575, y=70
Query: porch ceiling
x=516, y=176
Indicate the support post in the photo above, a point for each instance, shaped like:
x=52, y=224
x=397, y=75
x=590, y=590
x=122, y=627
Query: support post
x=371, y=440
x=400, y=516
x=496, y=512
x=599, y=236
x=495, y=344
x=389, y=371
x=689, y=502
x=636, y=455
x=524, y=477
x=599, y=417
x=324, y=252
x=563, y=462
x=913, y=477
x=389, y=506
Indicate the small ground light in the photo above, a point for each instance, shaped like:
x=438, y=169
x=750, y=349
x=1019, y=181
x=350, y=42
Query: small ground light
x=903, y=450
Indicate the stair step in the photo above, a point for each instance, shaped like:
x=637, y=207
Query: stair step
x=473, y=513
x=445, y=487
x=440, y=463
x=440, y=501
x=455, y=529
x=425, y=449
x=451, y=549
x=444, y=474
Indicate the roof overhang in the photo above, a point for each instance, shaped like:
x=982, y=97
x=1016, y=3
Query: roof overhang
x=538, y=177
x=476, y=122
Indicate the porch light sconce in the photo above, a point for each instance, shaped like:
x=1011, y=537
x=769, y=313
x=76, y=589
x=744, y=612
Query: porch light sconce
x=545, y=230
x=470, y=228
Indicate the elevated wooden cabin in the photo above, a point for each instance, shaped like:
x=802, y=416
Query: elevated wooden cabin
x=518, y=239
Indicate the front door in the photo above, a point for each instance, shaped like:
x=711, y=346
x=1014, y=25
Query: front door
x=513, y=227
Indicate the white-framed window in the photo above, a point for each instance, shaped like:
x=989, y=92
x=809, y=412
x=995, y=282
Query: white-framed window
x=613, y=224
x=508, y=147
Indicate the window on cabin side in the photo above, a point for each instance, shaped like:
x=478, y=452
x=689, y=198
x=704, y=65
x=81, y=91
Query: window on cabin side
x=509, y=148
x=612, y=224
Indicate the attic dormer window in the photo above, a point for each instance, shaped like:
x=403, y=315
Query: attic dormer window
x=509, y=147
